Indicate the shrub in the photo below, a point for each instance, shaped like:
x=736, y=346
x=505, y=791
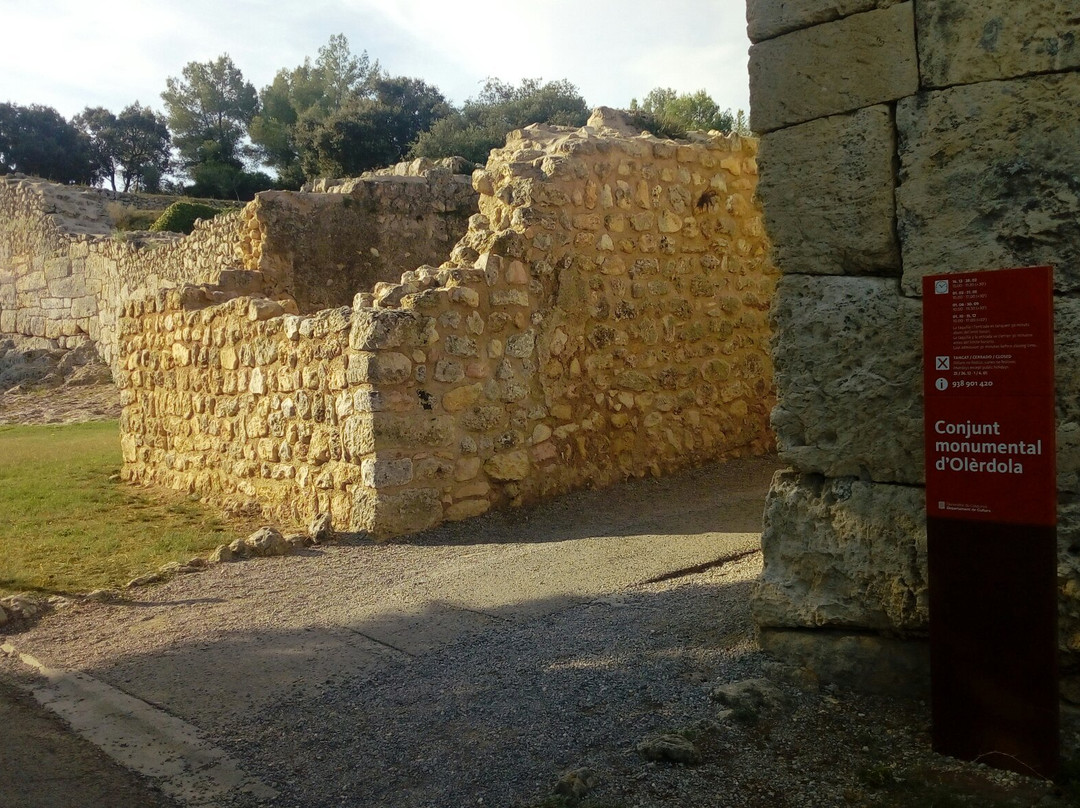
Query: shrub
x=126, y=218
x=180, y=217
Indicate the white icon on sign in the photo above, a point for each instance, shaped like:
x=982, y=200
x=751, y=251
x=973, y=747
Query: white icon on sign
x=942, y=363
x=941, y=287
x=942, y=384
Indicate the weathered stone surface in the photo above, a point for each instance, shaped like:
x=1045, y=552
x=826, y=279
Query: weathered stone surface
x=221, y=554
x=828, y=189
x=669, y=747
x=842, y=554
x=749, y=698
x=410, y=511
x=1068, y=535
x=379, y=472
x=963, y=43
x=984, y=181
x=860, y=662
x=1067, y=378
x=508, y=466
x=768, y=18
x=560, y=346
x=856, y=62
x=321, y=528
x=267, y=541
x=848, y=372
x=577, y=783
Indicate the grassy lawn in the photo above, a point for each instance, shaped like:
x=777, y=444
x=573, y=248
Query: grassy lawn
x=68, y=528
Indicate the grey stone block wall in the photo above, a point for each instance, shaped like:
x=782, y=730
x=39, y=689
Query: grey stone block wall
x=899, y=139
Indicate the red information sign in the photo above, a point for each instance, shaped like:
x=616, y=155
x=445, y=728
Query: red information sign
x=988, y=378
x=990, y=527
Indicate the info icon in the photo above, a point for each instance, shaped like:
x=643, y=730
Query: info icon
x=942, y=384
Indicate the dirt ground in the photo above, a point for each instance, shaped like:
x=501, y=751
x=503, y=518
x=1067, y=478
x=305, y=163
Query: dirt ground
x=522, y=659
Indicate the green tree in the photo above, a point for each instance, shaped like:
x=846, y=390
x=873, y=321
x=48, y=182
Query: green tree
x=483, y=122
x=308, y=95
x=144, y=147
x=369, y=130
x=134, y=145
x=99, y=126
x=672, y=113
x=209, y=111
x=37, y=140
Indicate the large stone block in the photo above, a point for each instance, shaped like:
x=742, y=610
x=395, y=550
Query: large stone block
x=828, y=190
x=768, y=18
x=846, y=555
x=855, y=62
x=961, y=42
x=389, y=515
x=861, y=662
x=986, y=181
x=840, y=553
x=1067, y=374
x=848, y=367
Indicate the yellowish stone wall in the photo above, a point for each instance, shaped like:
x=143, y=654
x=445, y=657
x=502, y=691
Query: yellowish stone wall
x=64, y=275
x=605, y=316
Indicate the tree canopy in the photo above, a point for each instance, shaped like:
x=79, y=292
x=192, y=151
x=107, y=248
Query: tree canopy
x=483, y=122
x=305, y=97
x=338, y=114
x=369, y=130
x=37, y=140
x=673, y=113
x=134, y=145
x=209, y=110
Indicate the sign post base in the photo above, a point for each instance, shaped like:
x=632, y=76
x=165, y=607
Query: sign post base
x=993, y=643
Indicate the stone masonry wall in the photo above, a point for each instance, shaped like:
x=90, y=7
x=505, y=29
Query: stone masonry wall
x=885, y=156
x=63, y=276
x=605, y=316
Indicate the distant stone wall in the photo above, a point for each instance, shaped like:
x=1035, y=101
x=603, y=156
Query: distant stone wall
x=64, y=276
x=605, y=316
x=320, y=248
x=887, y=156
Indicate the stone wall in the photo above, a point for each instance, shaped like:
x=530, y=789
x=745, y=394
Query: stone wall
x=887, y=156
x=64, y=275
x=605, y=316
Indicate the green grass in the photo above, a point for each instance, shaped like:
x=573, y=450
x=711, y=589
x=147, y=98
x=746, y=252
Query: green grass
x=70, y=526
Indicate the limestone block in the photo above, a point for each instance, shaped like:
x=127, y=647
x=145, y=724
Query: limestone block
x=1067, y=374
x=508, y=466
x=840, y=553
x=856, y=62
x=985, y=182
x=861, y=662
x=848, y=369
x=769, y=18
x=467, y=509
x=961, y=42
x=828, y=188
x=385, y=367
x=381, y=472
x=388, y=515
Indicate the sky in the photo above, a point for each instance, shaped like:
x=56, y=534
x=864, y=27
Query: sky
x=70, y=54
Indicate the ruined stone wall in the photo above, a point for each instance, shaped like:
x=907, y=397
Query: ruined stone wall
x=64, y=276
x=886, y=156
x=320, y=248
x=605, y=316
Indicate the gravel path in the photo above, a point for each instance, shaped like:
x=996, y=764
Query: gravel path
x=482, y=661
